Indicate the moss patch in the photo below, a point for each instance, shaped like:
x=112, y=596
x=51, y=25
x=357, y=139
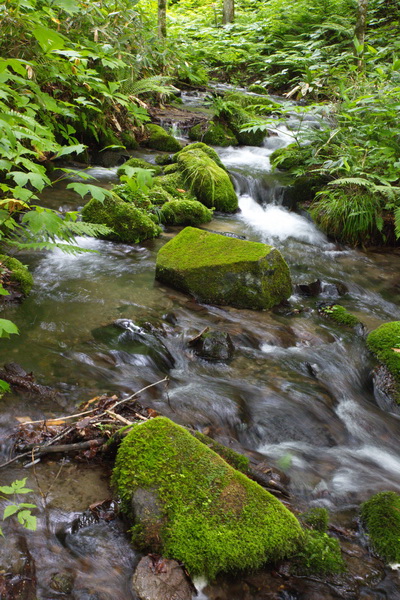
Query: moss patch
x=381, y=516
x=316, y=518
x=256, y=88
x=236, y=460
x=290, y=157
x=159, y=139
x=138, y=163
x=174, y=185
x=224, y=270
x=320, y=555
x=381, y=342
x=340, y=315
x=129, y=224
x=213, y=518
x=201, y=146
x=129, y=140
x=210, y=184
x=18, y=273
x=185, y=212
x=213, y=133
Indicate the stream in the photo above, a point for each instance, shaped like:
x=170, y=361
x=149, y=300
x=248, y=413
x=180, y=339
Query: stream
x=298, y=389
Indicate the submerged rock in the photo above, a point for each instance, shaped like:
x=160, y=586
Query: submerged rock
x=213, y=345
x=213, y=518
x=159, y=578
x=223, y=270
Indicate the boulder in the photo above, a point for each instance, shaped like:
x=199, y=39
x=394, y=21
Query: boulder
x=15, y=277
x=213, y=518
x=129, y=224
x=384, y=342
x=213, y=345
x=213, y=133
x=159, y=139
x=211, y=153
x=138, y=163
x=161, y=578
x=381, y=517
x=185, y=212
x=217, y=269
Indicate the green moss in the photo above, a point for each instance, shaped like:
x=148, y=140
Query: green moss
x=381, y=516
x=223, y=270
x=340, y=315
x=138, y=163
x=201, y=146
x=255, y=88
x=248, y=102
x=212, y=518
x=174, y=185
x=317, y=518
x=158, y=196
x=213, y=133
x=136, y=197
x=19, y=273
x=320, y=555
x=129, y=224
x=381, y=342
x=210, y=184
x=237, y=117
x=185, y=212
x=291, y=157
x=159, y=139
x=164, y=159
x=236, y=460
x=173, y=168
x=129, y=141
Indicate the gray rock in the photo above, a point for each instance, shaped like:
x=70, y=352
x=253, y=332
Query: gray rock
x=158, y=578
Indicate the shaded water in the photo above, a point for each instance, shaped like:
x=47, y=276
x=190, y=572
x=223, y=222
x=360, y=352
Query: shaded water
x=298, y=389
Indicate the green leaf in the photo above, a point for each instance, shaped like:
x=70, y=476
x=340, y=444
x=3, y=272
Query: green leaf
x=6, y=329
x=78, y=148
x=85, y=188
x=26, y=519
x=46, y=220
x=4, y=387
x=48, y=39
x=9, y=510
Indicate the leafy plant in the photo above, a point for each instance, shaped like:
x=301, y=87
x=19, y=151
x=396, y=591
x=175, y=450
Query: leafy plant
x=22, y=510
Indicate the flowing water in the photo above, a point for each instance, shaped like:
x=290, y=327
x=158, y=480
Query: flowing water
x=298, y=389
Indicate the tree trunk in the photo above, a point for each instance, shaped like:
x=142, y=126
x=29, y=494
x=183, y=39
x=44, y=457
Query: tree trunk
x=359, y=31
x=162, y=19
x=228, y=13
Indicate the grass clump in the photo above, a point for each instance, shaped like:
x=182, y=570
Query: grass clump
x=129, y=224
x=206, y=514
x=381, y=517
x=159, y=139
x=185, y=212
x=383, y=342
x=340, y=315
x=320, y=555
x=18, y=273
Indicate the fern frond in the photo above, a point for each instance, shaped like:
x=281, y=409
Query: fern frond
x=158, y=83
x=89, y=229
x=358, y=181
x=397, y=222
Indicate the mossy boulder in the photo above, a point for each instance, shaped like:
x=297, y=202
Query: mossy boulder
x=256, y=88
x=213, y=133
x=248, y=101
x=138, y=163
x=190, y=505
x=237, y=118
x=185, y=212
x=383, y=342
x=201, y=146
x=223, y=270
x=174, y=185
x=381, y=517
x=129, y=223
x=159, y=139
x=129, y=140
x=210, y=184
x=340, y=315
x=13, y=271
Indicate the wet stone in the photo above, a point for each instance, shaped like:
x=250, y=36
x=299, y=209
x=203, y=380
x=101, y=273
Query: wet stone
x=213, y=345
x=159, y=578
x=62, y=582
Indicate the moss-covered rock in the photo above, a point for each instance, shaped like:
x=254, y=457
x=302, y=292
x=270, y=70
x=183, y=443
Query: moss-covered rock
x=340, y=315
x=383, y=342
x=249, y=102
x=164, y=159
x=316, y=518
x=129, y=224
x=201, y=146
x=129, y=140
x=138, y=163
x=138, y=198
x=17, y=273
x=290, y=157
x=320, y=555
x=237, y=118
x=236, y=460
x=381, y=517
x=174, y=185
x=192, y=506
x=172, y=168
x=185, y=212
x=159, y=139
x=213, y=133
x=210, y=184
x=222, y=270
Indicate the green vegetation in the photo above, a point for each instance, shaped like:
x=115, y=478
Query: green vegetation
x=320, y=555
x=185, y=212
x=222, y=270
x=211, y=153
x=21, y=510
x=159, y=139
x=381, y=517
x=138, y=163
x=383, y=342
x=205, y=513
x=213, y=133
x=317, y=518
x=18, y=273
x=236, y=460
x=340, y=315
